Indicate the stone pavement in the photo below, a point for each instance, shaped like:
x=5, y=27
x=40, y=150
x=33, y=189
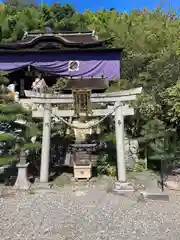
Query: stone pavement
x=84, y=211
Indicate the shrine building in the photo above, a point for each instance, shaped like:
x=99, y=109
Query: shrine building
x=79, y=57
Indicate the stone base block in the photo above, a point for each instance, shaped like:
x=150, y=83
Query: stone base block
x=122, y=188
x=155, y=196
x=40, y=185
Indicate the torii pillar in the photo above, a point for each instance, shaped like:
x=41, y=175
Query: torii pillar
x=121, y=185
x=46, y=141
x=119, y=132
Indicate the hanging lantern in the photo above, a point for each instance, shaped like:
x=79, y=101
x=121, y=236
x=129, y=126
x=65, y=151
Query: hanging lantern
x=29, y=72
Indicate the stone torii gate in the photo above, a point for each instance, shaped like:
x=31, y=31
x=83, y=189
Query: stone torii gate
x=120, y=110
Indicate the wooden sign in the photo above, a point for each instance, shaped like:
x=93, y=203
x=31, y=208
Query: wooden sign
x=82, y=102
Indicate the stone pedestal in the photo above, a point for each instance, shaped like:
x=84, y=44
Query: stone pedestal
x=123, y=188
x=22, y=182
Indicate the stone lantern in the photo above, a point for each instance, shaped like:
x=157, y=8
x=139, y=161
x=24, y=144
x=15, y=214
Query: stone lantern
x=22, y=182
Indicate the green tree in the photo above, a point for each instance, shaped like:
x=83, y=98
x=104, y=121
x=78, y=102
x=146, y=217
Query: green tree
x=16, y=126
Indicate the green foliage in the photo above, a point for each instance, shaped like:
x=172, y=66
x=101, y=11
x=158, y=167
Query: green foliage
x=173, y=102
x=16, y=17
x=107, y=158
x=16, y=126
x=60, y=84
x=7, y=160
x=151, y=59
x=152, y=130
x=139, y=167
x=106, y=166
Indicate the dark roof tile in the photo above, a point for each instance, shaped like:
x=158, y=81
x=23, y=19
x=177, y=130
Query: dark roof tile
x=87, y=83
x=80, y=38
x=69, y=40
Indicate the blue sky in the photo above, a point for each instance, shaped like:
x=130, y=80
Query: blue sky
x=121, y=5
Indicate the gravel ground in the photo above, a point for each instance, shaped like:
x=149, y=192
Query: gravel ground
x=87, y=214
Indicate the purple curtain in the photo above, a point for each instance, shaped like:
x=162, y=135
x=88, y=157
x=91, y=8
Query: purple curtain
x=93, y=64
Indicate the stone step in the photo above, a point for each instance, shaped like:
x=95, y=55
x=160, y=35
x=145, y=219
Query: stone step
x=87, y=156
x=83, y=155
x=155, y=195
x=121, y=186
x=83, y=158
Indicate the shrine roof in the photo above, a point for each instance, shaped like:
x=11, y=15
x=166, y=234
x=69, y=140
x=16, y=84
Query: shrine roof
x=91, y=83
x=62, y=40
